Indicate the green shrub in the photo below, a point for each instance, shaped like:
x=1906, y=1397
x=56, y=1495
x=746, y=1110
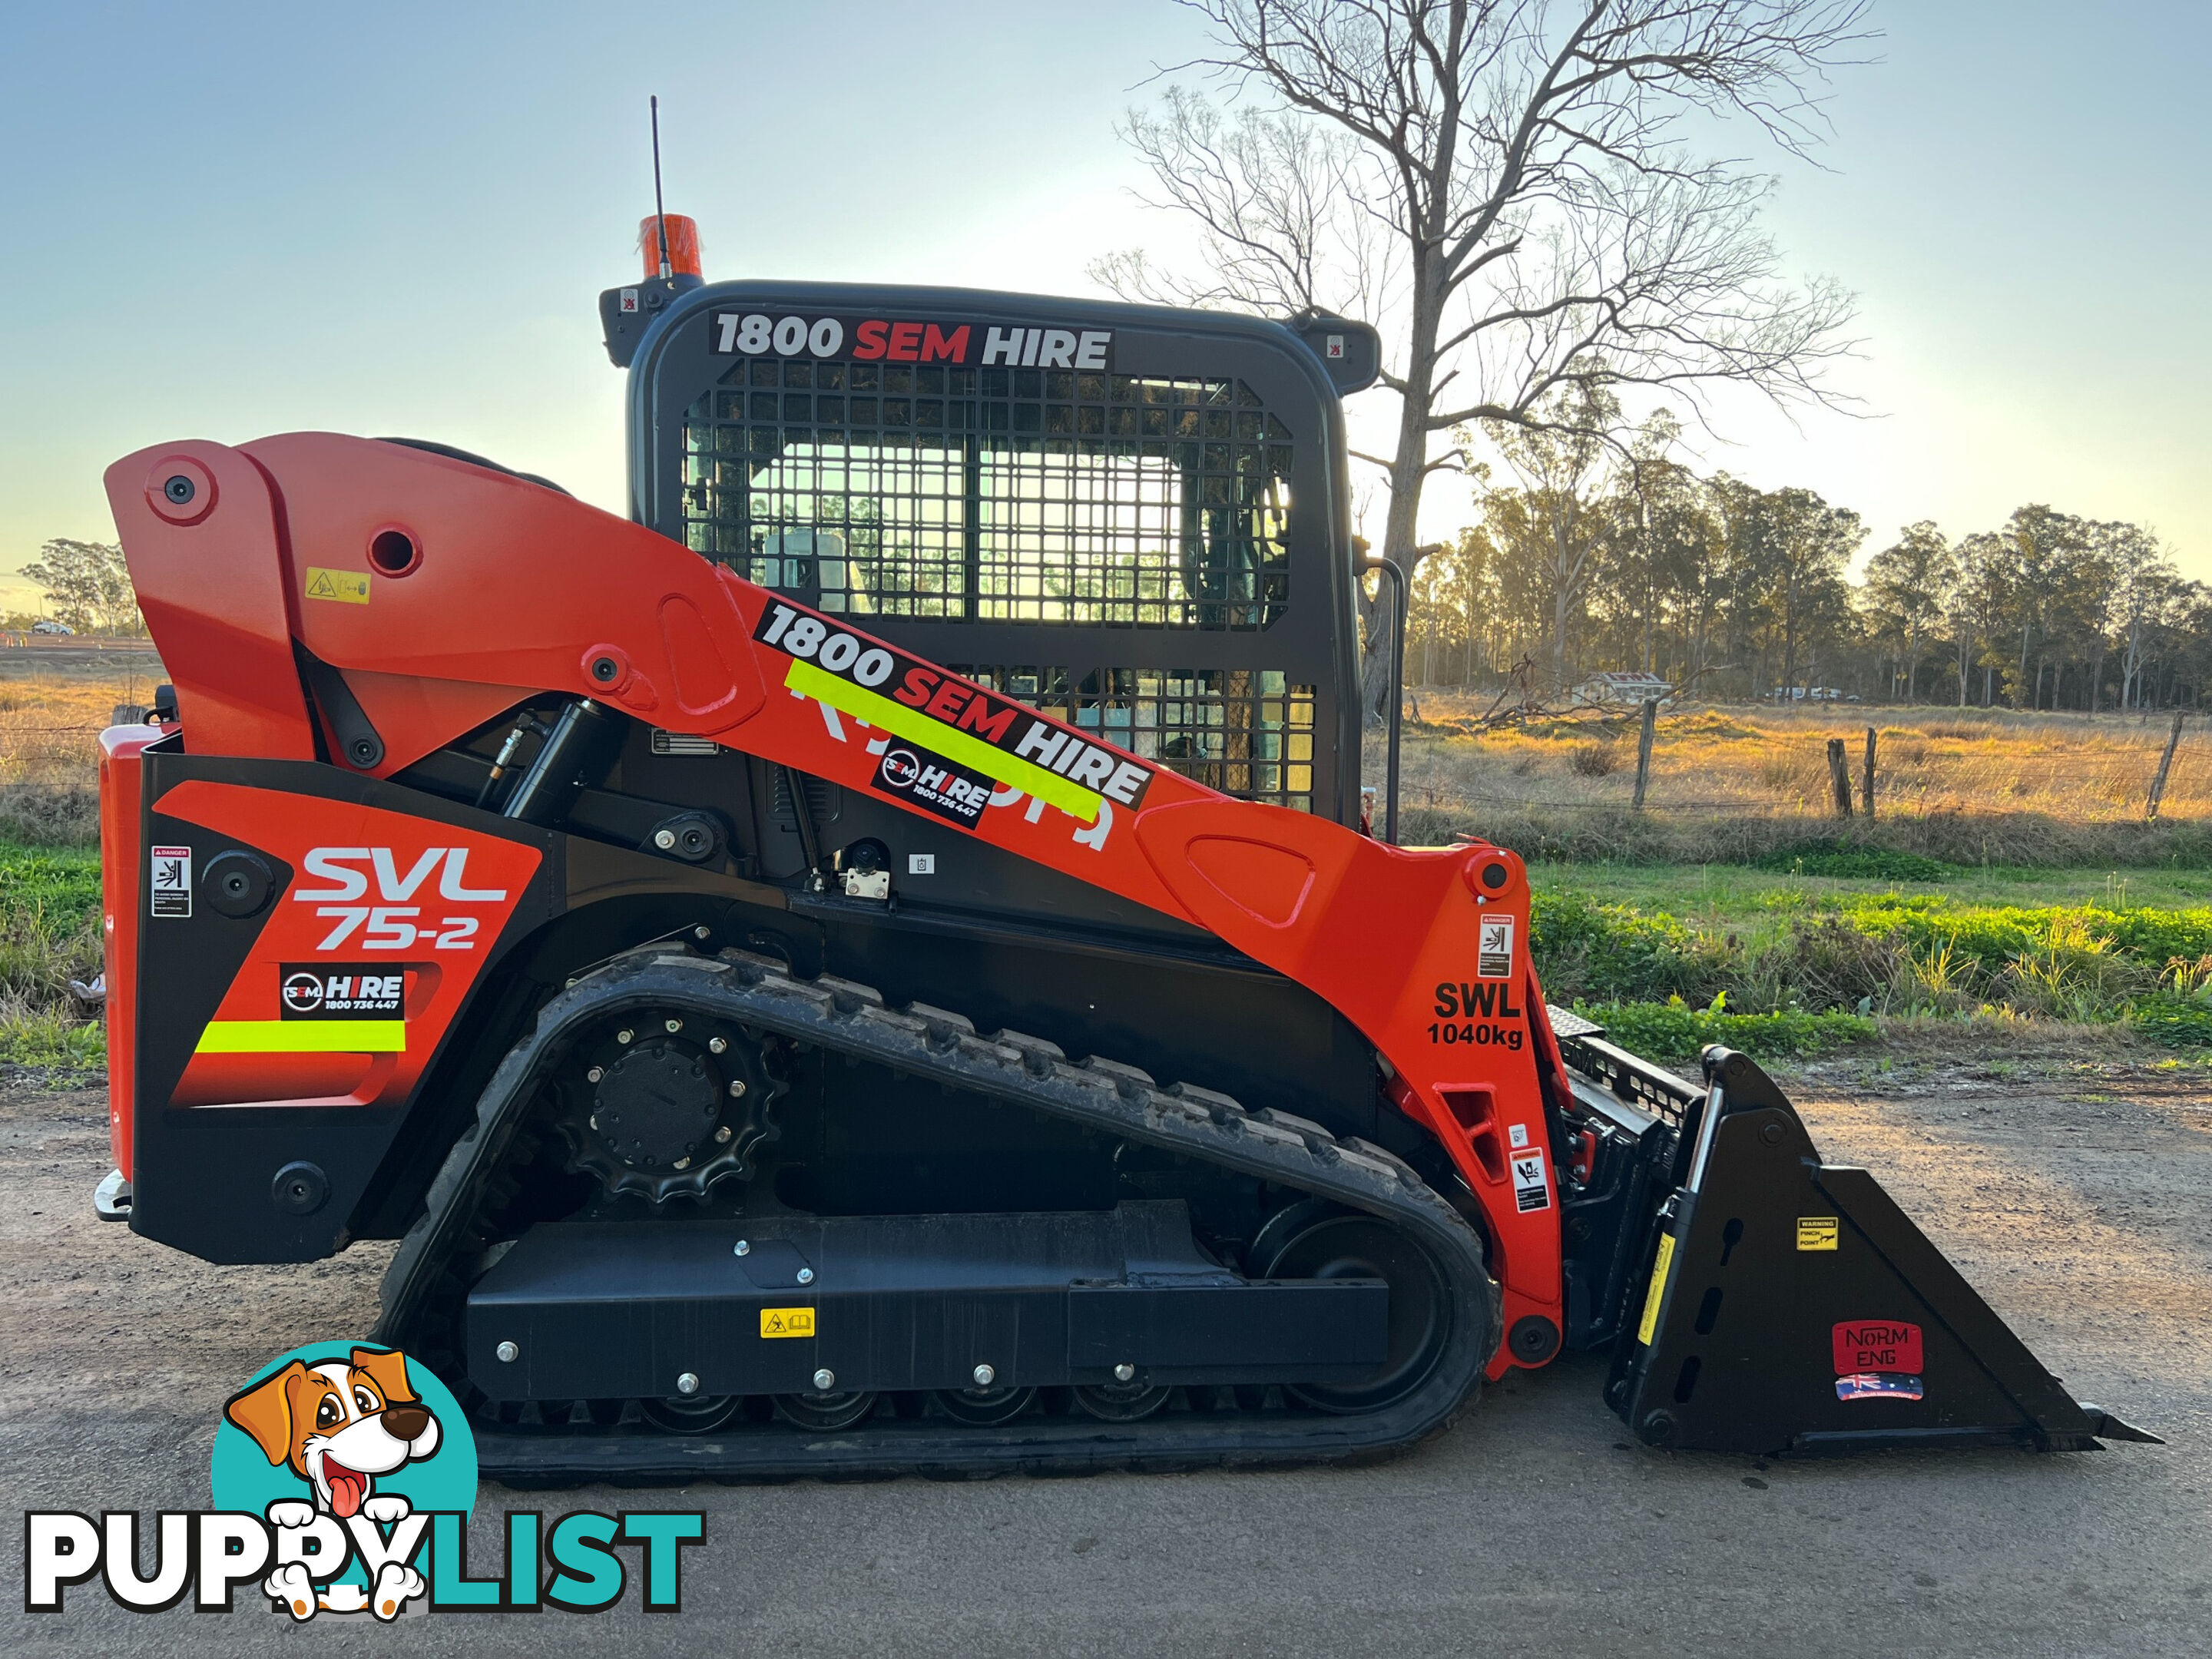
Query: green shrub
x=49, y=910
x=62, y=883
x=1995, y=937
x=1616, y=953
x=2176, y=1022
x=1842, y=858
x=1674, y=1031
x=50, y=1039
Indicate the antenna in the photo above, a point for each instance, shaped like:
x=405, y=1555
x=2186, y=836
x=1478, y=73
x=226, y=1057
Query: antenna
x=660, y=213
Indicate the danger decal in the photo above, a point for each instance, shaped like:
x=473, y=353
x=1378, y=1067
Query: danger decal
x=171, y=885
x=909, y=340
x=1493, y=950
x=967, y=728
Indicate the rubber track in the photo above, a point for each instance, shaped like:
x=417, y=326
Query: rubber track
x=850, y=1019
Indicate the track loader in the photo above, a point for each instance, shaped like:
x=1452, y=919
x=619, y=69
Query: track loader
x=874, y=962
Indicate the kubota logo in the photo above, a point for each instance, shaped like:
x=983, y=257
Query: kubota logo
x=394, y=925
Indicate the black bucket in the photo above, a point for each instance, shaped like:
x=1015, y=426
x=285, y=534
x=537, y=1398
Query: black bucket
x=1792, y=1308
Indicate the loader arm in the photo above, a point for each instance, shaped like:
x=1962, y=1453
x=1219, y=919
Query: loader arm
x=444, y=594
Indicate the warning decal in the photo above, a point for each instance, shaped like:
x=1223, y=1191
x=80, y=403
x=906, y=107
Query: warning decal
x=1529, y=1191
x=1650, y=1327
x=1816, y=1232
x=346, y=587
x=787, y=1321
x=1493, y=956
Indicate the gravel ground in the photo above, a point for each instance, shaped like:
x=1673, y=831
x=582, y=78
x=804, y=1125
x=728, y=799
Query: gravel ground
x=2082, y=1210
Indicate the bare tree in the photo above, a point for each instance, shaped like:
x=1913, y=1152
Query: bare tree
x=1505, y=185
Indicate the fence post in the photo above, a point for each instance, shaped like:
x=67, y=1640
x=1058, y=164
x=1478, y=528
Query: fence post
x=2165, y=765
x=1839, y=775
x=1866, y=778
x=1643, y=749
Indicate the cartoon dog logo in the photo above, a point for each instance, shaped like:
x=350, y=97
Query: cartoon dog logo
x=338, y=1426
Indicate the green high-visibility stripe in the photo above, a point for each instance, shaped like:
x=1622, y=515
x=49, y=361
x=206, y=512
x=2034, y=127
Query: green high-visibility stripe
x=304, y=1036
x=971, y=752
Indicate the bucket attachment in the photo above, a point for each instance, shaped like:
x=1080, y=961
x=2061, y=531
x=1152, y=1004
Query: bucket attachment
x=1793, y=1308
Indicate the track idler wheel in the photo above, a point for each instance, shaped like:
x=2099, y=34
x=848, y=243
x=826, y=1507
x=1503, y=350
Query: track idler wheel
x=1120, y=1402
x=839, y=1410
x=693, y=1414
x=1314, y=1241
x=983, y=1407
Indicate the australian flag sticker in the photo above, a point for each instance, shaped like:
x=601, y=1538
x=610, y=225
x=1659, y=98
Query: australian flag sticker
x=1877, y=1385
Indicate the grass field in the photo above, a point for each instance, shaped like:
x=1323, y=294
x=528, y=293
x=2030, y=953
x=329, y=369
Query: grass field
x=54, y=700
x=48, y=935
x=1970, y=786
x=1786, y=964
x=2007, y=892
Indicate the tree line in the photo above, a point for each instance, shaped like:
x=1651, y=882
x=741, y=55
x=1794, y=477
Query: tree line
x=1603, y=552
x=87, y=585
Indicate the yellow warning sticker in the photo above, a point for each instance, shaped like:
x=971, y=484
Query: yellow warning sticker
x=787, y=1321
x=1650, y=1325
x=1816, y=1232
x=346, y=587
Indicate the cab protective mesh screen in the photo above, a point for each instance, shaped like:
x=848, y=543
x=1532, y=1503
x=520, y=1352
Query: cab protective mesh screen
x=994, y=494
x=1247, y=732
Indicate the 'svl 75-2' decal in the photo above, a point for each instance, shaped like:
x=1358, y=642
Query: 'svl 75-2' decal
x=395, y=924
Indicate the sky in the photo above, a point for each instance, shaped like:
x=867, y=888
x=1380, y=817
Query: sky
x=230, y=219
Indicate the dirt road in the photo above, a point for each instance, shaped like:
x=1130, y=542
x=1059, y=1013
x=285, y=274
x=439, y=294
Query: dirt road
x=2084, y=1213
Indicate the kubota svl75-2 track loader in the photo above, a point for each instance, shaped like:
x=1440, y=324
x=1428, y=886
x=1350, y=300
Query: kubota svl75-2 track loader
x=871, y=963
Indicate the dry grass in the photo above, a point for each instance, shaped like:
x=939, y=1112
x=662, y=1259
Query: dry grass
x=54, y=701
x=1971, y=784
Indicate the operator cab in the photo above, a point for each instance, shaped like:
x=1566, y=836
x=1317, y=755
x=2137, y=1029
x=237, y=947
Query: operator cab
x=1133, y=519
